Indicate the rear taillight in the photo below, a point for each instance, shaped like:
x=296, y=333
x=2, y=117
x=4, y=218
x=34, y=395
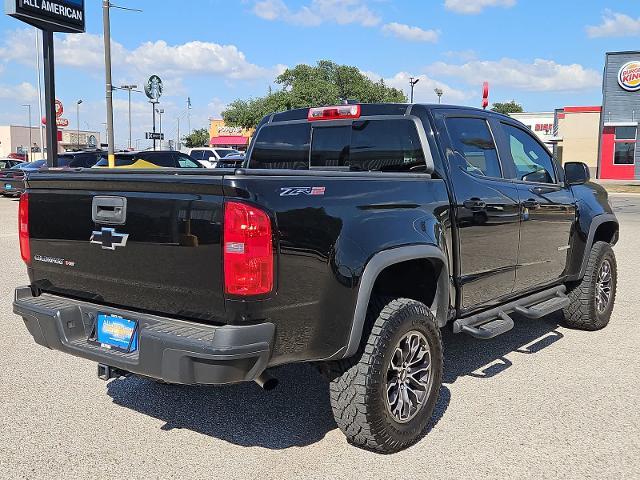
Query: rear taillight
x=23, y=228
x=334, y=113
x=248, y=250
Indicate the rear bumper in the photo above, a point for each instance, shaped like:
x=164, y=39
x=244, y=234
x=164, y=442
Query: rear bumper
x=175, y=351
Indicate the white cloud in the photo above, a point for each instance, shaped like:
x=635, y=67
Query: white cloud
x=216, y=107
x=86, y=51
x=538, y=76
x=22, y=92
x=470, y=7
x=412, y=34
x=195, y=57
x=342, y=12
x=615, y=25
x=424, y=89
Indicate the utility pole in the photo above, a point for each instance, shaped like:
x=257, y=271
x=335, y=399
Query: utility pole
x=50, y=98
x=78, y=123
x=30, y=140
x=412, y=82
x=106, y=20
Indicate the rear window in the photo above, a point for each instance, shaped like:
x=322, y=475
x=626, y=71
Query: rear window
x=282, y=146
x=127, y=160
x=391, y=145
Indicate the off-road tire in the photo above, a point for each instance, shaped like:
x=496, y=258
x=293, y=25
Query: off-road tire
x=582, y=312
x=358, y=387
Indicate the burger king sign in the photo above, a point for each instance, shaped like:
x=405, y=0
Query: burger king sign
x=629, y=76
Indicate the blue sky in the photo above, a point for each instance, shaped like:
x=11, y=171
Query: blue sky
x=544, y=54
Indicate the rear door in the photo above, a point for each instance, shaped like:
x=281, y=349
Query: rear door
x=486, y=209
x=548, y=208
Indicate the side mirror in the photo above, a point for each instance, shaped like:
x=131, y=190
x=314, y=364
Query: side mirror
x=576, y=173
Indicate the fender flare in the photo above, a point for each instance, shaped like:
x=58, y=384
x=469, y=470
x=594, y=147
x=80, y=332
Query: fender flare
x=595, y=223
x=377, y=264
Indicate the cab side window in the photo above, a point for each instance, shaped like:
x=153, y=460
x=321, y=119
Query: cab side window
x=473, y=141
x=532, y=162
x=185, y=161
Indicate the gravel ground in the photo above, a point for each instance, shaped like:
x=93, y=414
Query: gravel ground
x=541, y=401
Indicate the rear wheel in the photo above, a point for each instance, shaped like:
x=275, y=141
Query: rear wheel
x=593, y=297
x=384, y=398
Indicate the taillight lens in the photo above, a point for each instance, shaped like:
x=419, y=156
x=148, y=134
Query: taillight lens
x=248, y=250
x=23, y=228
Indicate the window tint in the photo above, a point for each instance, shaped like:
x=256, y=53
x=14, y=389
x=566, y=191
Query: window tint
x=223, y=152
x=386, y=146
x=208, y=155
x=197, y=154
x=186, y=161
x=533, y=163
x=624, y=153
x=369, y=145
x=626, y=133
x=65, y=160
x=330, y=146
x=472, y=139
x=282, y=146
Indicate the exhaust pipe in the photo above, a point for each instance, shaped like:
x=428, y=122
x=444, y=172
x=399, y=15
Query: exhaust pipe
x=266, y=381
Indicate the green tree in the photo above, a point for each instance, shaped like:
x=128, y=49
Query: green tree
x=507, y=107
x=303, y=86
x=197, y=138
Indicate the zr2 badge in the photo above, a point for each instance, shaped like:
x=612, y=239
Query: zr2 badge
x=295, y=191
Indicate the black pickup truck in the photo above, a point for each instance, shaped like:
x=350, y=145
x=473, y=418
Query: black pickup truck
x=351, y=236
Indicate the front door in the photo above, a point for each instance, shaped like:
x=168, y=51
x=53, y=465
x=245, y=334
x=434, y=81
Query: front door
x=548, y=209
x=486, y=211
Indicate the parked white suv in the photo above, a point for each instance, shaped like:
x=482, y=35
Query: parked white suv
x=209, y=157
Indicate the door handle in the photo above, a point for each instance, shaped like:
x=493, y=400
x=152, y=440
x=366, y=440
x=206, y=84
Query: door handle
x=474, y=204
x=531, y=204
x=109, y=210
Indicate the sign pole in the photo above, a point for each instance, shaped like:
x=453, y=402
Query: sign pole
x=109, y=87
x=153, y=111
x=50, y=98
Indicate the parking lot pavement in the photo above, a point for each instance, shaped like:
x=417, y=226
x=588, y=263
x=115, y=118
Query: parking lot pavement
x=541, y=401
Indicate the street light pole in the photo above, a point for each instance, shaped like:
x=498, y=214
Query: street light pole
x=129, y=88
x=30, y=140
x=412, y=82
x=160, y=112
x=439, y=93
x=78, y=123
x=106, y=20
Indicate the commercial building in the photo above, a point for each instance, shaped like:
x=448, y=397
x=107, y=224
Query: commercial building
x=576, y=135
x=540, y=123
x=222, y=135
x=16, y=139
x=619, y=156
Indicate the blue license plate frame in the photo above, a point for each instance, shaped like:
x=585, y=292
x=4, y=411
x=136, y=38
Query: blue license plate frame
x=116, y=332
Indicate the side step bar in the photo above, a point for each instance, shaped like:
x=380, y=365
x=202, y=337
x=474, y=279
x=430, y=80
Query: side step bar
x=497, y=321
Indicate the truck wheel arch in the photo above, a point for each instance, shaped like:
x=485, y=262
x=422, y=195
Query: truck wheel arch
x=377, y=264
x=604, y=227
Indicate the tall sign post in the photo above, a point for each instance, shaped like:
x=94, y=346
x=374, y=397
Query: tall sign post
x=485, y=95
x=49, y=16
x=153, y=91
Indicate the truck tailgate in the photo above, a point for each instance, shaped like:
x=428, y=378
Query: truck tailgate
x=164, y=256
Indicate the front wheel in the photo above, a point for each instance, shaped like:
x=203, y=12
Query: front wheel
x=592, y=298
x=384, y=399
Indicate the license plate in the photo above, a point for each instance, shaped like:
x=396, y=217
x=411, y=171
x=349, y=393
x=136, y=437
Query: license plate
x=8, y=186
x=118, y=332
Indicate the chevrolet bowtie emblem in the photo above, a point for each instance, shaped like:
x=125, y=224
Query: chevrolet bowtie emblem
x=109, y=239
